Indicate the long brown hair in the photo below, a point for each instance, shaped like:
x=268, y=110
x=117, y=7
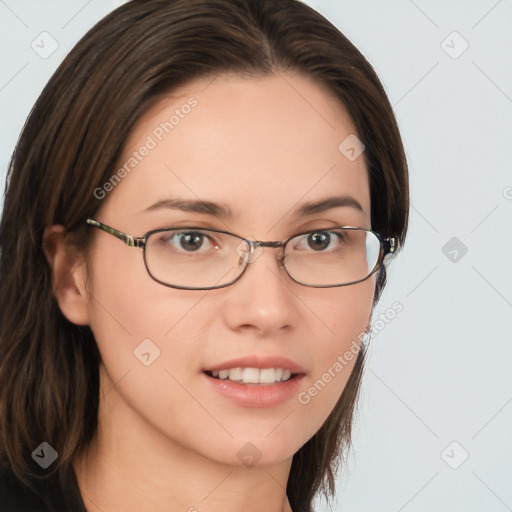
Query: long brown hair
x=71, y=144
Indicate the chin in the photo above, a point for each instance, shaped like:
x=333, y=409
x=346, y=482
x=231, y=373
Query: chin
x=253, y=451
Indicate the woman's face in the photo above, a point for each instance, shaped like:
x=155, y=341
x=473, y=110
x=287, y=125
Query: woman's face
x=261, y=147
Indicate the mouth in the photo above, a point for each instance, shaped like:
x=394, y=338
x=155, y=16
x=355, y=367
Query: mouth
x=253, y=376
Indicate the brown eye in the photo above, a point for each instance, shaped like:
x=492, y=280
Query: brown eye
x=318, y=241
x=189, y=241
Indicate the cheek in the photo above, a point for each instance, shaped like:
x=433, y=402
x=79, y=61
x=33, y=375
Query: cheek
x=126, y=303
x=117, y=306
x=335, y=354
x=132, y=315
x=149, y=338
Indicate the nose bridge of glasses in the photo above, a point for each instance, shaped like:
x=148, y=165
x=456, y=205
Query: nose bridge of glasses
x=267, y=244
x=256, y=248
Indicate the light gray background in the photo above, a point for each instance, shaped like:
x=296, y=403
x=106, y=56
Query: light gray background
x=438, y=385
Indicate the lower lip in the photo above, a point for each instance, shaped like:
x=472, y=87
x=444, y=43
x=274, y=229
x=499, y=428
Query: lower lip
x=256, y=395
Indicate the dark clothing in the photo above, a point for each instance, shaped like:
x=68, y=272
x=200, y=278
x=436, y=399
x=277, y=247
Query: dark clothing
x=49, y=495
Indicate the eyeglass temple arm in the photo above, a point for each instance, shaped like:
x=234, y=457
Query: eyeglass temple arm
x=130, y=241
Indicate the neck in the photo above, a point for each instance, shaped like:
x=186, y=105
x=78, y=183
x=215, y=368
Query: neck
x=130, y=466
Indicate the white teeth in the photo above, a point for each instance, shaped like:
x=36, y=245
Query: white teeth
x=235, y=374
x=267, y=376
x=253, y=375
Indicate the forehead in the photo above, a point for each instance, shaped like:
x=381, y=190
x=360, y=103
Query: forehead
x=259, y=145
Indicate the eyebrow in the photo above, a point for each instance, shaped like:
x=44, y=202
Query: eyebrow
x=223, y=211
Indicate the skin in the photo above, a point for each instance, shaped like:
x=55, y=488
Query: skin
x=166, y=441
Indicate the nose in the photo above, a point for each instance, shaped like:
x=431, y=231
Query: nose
x=263, y=299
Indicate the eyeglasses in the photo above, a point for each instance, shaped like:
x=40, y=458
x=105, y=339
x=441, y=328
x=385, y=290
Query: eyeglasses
x=192, y=258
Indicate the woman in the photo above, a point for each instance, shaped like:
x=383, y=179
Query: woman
x=154, y=355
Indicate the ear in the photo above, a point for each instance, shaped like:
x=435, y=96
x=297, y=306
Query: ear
x=68, y=276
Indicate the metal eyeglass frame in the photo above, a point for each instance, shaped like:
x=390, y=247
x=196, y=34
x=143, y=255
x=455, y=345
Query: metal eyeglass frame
x=387, y=246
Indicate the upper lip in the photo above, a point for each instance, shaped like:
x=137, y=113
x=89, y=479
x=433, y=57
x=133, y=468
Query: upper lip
x=260, y=362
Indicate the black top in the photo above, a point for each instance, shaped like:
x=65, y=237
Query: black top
x=53, y=494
